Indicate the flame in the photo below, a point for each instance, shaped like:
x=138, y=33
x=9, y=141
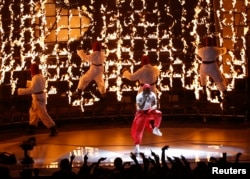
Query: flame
x=41, y=28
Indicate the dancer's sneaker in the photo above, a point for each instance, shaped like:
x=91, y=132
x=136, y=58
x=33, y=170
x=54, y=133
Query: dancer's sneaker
x=137, y=149
x=157, y=132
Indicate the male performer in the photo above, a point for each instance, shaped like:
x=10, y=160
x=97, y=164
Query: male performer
x=209, y=66
x=146, y=115
x=38, y=107
x=146, y=74
x=95, y=72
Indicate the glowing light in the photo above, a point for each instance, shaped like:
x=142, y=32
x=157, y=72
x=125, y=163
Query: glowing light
x=41, y=29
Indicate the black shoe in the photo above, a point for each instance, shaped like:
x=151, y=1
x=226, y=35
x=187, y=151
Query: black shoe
x=53, y=131
x=76, y=95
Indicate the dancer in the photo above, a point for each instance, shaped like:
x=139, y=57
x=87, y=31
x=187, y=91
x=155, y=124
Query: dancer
x=95, y=72
x=38, y=107
x=146, y=115
x=209, y=66
x=146, y=74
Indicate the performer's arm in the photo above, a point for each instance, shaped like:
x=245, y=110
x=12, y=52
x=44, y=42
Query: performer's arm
x=30, y=89
x=140, y=104
x=83, y=55
x=133, y=77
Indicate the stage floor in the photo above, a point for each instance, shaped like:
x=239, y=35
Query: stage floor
x=194, y=139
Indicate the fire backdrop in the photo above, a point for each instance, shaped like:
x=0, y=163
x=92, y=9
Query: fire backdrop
x=168, y=31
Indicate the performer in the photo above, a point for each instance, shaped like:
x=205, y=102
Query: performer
x=38, y=107
x=146, y=115
x=209, y=66
x=146, y=74
x=95, y=72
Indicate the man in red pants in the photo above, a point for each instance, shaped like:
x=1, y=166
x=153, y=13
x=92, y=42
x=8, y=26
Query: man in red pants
x=146, y=115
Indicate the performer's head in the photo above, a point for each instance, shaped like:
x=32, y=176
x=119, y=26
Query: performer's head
x=145, y=60
x=146, y=88
x=209, y=41
x=34, y=69
x=97, y=46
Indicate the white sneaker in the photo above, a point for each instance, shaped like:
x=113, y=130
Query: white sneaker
x=156, y=131
x=137, y=149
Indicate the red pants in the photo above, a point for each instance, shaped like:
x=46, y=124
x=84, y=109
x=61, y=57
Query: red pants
x=141, y=120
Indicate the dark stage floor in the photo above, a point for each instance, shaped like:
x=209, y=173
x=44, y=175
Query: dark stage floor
x=193, y=138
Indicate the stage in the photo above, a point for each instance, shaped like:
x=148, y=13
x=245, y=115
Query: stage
x=192, y=138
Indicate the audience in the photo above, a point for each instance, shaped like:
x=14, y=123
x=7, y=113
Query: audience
x=5, y=172
x=152, y=166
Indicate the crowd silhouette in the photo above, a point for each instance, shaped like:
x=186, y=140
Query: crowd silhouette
x=150, y=167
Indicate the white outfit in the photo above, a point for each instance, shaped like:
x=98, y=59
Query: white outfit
x=146, y=74
x=209, y=66
x=38, y=107
x=95, y=72
x=150, y=103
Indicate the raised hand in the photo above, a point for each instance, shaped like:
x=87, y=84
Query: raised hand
x=166, y=147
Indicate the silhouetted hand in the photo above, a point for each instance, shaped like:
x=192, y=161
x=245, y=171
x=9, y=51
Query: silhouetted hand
x=72, y=157
x=213, y=159
x=156, y=157
x=152, y=160
x=237, y=157
x=177, y=160
x=142, y=155
x=145, y=161
x=165, y=147
x=163, y=158
x=133, y=156
x=153, y=154
x=101, y=159
x=184, y=160
x=86, y=157
x=187, y=164
x=170, y=160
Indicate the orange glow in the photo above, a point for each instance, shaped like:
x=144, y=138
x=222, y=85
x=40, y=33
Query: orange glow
x=51, y=26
